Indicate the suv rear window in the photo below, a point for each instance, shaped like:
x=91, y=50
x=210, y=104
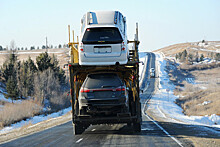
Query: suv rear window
x=102, y=35
x=102, y=81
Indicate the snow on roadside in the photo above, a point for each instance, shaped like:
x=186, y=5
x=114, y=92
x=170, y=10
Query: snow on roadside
x=35, y=120
x=3, y=98
x=142, y=58
x=163, y=101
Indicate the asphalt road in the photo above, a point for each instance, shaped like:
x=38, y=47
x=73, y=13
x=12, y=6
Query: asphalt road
x=104, y=135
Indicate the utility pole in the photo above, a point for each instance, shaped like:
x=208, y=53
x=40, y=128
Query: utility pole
x=46, y=45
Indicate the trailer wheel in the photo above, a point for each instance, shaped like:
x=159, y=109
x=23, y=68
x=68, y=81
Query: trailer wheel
x=78, y=128
x=137, y=127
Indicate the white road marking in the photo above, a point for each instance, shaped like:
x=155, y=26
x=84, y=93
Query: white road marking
x=78, y=141
x=93, y=130
x=177, y=141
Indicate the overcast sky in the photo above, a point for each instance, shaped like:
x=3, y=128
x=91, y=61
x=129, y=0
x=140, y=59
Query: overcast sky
x=161, y=22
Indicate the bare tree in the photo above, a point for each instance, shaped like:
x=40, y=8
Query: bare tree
x=48, y=90
x=12, y=45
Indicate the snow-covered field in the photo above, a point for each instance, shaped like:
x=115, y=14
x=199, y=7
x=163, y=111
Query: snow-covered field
x=163, y=102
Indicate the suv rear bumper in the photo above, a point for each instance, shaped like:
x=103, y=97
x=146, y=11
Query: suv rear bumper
x=103, y=60
x=83, y=102
x=105, y=105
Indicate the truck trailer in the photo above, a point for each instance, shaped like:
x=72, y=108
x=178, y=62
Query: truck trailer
x=93, y=110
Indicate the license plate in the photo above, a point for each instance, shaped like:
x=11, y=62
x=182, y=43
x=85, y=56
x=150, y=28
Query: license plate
x=102, y=50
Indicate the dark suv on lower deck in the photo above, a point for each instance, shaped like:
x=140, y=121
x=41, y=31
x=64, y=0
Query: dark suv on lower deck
x=103, y=93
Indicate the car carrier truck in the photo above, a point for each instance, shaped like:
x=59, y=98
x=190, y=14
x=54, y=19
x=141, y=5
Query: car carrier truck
x=129, y=76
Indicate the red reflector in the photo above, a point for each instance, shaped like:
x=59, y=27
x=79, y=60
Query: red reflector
x=123, y=48
x=82, y=49
x=71, y=91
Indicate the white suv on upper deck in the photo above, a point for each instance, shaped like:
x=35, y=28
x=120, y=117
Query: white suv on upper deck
x=103, y=39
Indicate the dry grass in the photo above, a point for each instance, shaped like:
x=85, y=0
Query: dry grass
x=12, y=113
x=207, y=88
x=185, y=66
x=193, y=104
x=190, y=47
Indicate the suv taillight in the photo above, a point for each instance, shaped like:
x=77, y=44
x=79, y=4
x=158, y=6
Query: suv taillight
x=85, y=90
x=123, y=46
x=81, y=47
x=121, y=88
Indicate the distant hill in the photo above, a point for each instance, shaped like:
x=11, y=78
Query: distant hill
x=203, y=47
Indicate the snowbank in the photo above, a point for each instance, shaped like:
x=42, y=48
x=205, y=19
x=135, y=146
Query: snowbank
x=163, y=101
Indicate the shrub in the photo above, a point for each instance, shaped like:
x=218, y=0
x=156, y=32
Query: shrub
x=12, y=113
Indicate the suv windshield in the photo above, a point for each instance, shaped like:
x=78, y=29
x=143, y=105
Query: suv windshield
x=102, y=81
x=102, y=35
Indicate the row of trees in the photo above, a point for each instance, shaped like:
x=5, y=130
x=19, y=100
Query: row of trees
x=185, y=56
x=188, y=57
x=33, y=47
x=44, y=80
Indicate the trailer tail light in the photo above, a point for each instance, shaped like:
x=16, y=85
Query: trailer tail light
x=123, y=46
